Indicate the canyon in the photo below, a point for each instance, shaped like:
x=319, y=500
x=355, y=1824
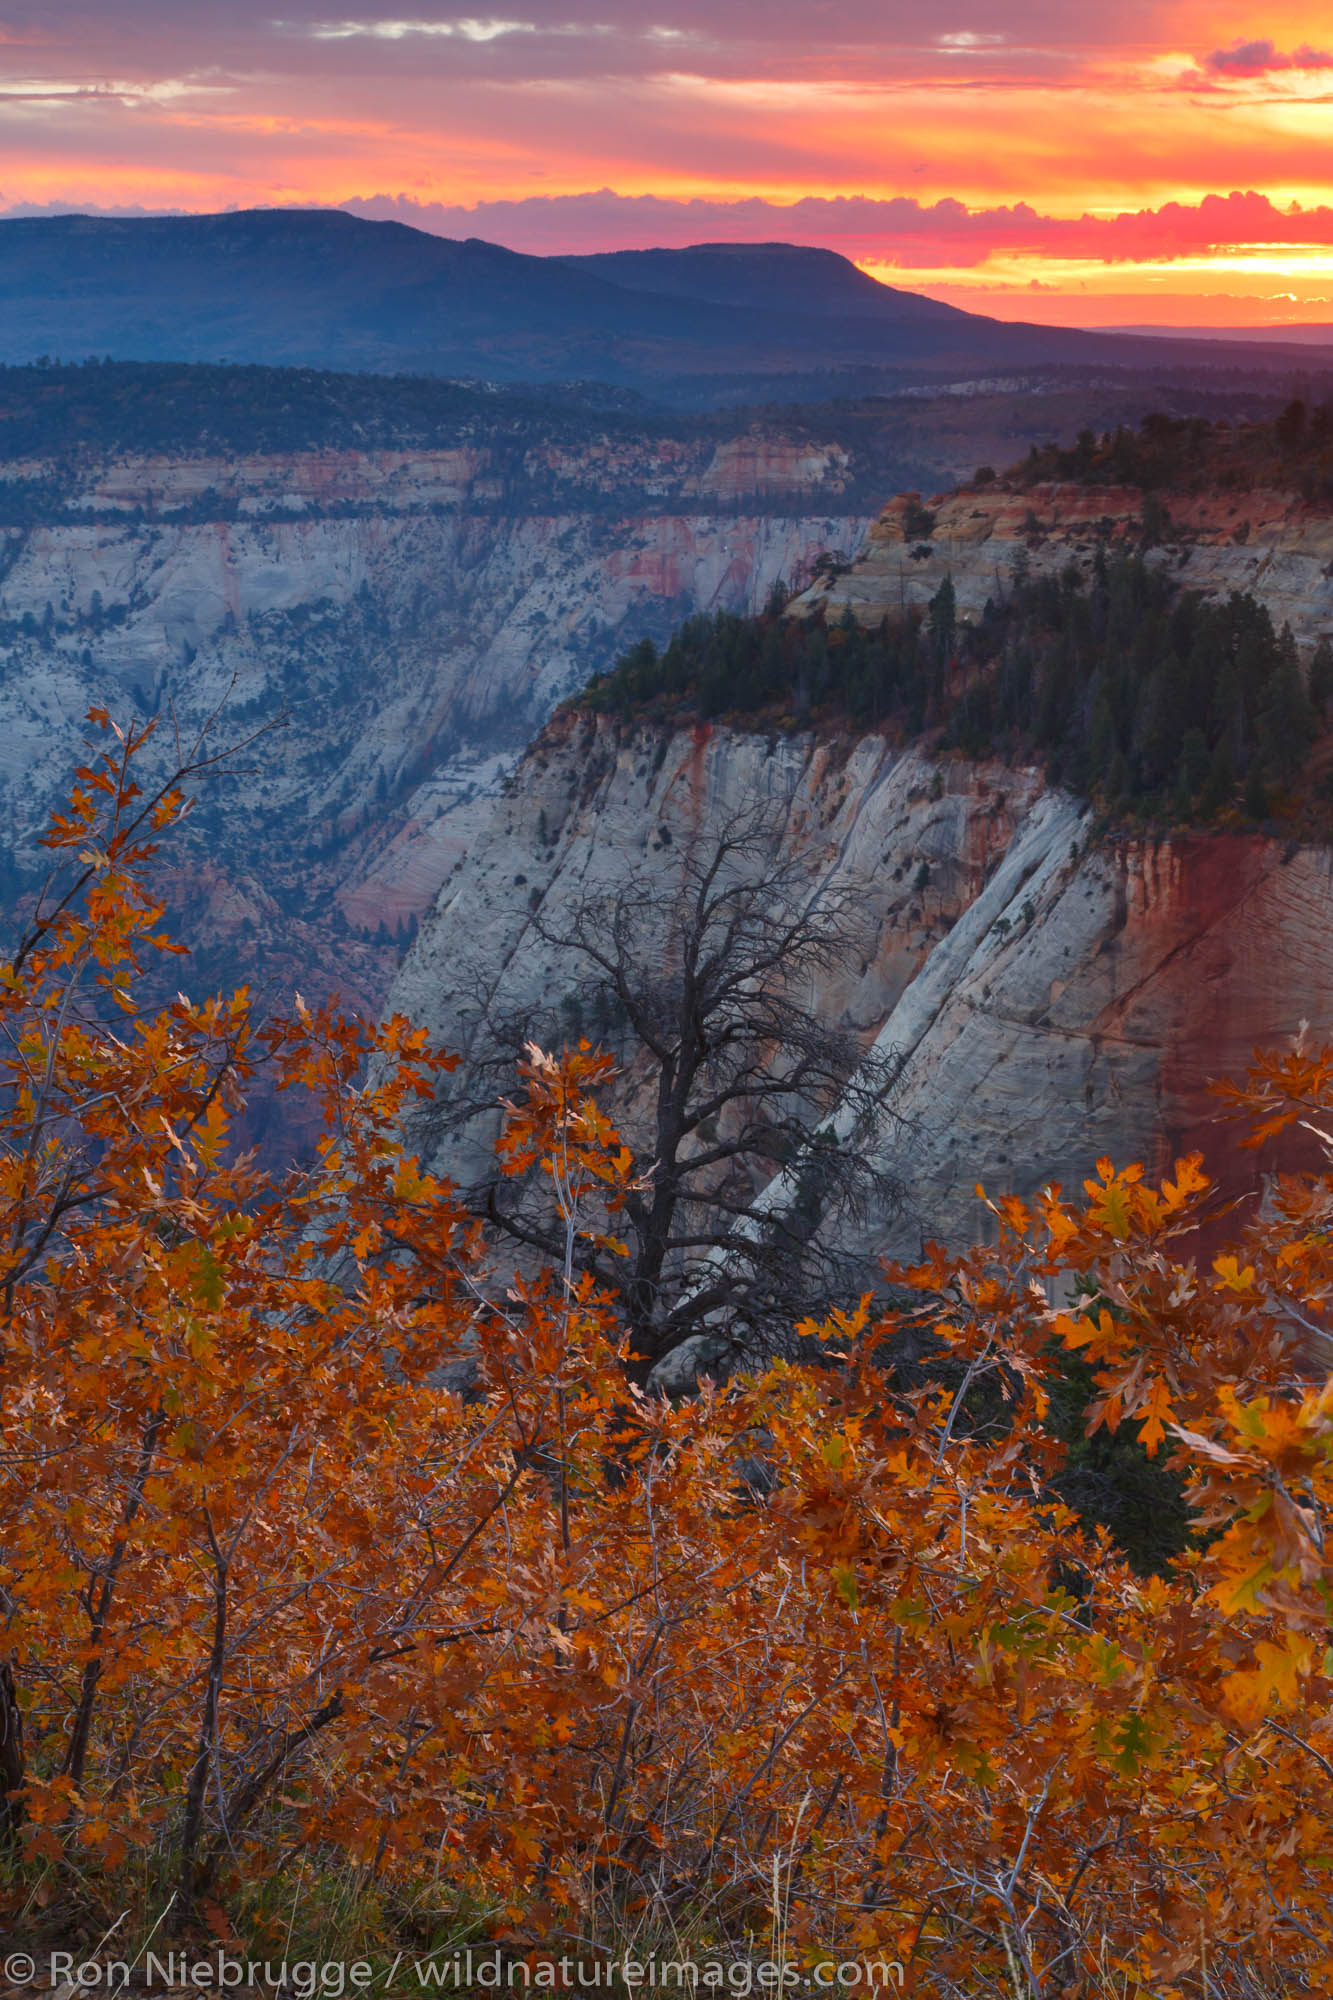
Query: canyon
x=380, y=630
x=385, y=614
x=1051, y=988
x=382, y=587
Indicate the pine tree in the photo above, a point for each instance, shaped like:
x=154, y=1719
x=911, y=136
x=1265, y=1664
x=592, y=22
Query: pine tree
x=1321, y=676
x=1102, y=739
x=1156, y=521
x=942, y=614
x=1287, y=719
x=1226, y=711
x=1193, y=768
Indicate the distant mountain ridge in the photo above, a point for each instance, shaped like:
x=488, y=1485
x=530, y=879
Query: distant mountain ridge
x=321, y=288
x=805, y=280
x=1308, y=333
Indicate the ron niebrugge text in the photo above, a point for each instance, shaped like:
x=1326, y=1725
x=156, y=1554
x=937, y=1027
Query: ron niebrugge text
x=460, y=1972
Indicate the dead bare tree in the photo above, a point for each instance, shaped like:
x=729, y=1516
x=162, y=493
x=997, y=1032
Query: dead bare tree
x=743, y=1182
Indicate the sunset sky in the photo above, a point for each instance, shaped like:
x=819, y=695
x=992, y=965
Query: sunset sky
x=1141, y=160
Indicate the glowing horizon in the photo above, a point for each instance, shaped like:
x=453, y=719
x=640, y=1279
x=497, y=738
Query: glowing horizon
x=1160, y=163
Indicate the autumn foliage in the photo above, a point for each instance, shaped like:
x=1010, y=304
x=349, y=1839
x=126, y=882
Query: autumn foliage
x=326, y=1533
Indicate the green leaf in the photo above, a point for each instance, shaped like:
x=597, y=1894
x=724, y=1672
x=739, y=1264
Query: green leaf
x=206, y=1280
x=848, y=1589
x=1133, y=1743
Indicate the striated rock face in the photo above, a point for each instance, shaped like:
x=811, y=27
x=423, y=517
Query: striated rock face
x=405, y=620
x=1268, y=543
x=1050, y=1000
x=1083, y=1008
x=259, y=484
x=591, y=807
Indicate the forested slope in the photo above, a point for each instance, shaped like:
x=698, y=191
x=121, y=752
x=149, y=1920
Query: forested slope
x=1075, y=773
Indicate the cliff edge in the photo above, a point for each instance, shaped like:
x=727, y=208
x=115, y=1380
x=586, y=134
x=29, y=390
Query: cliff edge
x=1050, y=997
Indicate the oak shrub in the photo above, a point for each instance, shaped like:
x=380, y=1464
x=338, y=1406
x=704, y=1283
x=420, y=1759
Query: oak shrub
x=325, y=1534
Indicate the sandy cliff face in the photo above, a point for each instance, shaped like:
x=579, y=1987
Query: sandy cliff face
x=1268, y=543
x=1050, y=999
x=406, y=619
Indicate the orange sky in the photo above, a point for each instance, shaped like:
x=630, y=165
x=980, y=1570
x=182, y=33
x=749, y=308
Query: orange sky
x=1033, y=159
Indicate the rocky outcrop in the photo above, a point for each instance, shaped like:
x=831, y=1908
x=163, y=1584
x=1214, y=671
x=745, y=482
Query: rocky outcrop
x=1268, y=543
x=1049, y=998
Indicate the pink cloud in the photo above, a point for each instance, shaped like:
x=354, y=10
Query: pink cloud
x=1262, y=59
x=900, y=230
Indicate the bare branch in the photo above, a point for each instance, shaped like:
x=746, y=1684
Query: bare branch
x=707, y=991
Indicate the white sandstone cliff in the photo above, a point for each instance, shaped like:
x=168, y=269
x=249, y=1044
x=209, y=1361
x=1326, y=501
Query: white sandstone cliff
x=1050, y=1000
